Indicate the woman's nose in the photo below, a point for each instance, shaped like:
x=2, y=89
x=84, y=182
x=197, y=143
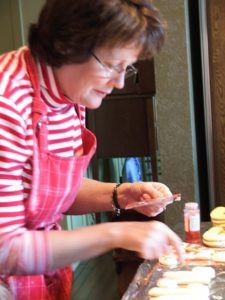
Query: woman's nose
x=119, y=81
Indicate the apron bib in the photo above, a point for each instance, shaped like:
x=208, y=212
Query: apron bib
x=55, y=184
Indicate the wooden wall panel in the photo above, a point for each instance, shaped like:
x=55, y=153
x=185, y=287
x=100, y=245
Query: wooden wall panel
x=10, y=35
x=216, y=35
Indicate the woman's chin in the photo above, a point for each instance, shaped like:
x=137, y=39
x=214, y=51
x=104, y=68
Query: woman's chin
x=94, y=103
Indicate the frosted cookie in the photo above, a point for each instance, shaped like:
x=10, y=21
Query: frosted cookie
x=166, y=283
x=178, y=291
x=197, y=252
x=172, y=297
x=177, y=274
x=214, y=237
x=206, y=271
x=169, y=260
x=219, y=256
x=190, y=290
x=181, y=297
x=194, y=248
x=199, y=289
x=201, y=255
x=217, y=216
x=188, y=277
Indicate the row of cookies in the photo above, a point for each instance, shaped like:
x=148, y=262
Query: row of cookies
x=194, y=254
x=183, y=284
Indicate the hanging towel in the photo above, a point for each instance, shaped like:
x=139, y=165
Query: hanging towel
x=132, y=170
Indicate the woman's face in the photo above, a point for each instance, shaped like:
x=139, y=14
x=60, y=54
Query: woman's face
x=88, y=83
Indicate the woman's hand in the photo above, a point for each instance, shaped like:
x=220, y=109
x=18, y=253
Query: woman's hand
x=144, y=191
x=149, y=239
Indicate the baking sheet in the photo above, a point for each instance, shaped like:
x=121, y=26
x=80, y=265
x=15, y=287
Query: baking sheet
x=150, y=271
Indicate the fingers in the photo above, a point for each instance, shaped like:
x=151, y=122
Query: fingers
x=162, y=188
x=153, y=210
x=175, y=242
x=177, y=245
x=165, y=239
x=155, y=239
x=150, y=190
x=154, y=251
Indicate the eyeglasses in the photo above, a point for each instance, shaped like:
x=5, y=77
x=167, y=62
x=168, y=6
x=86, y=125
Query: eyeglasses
x=110, y=70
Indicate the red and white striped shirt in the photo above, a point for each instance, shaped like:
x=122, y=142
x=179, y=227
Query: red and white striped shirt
x=16, y=144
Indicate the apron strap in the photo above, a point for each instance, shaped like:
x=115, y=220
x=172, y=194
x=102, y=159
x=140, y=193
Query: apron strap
x=39, y=108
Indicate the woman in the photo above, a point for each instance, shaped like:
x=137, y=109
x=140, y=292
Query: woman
x=78, y=52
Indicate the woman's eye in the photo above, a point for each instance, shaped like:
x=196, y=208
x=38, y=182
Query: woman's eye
x=117, y=68
x=111, y=66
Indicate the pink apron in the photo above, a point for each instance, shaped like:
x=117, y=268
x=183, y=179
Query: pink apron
x=55, y=184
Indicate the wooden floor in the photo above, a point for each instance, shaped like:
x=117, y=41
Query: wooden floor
x=96, y=280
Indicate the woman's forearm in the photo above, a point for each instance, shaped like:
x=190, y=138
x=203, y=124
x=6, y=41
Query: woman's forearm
x=148, y=239
x=94, y=196
x=84, y=243
x=38, y=252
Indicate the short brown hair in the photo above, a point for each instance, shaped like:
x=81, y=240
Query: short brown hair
x=68, y=31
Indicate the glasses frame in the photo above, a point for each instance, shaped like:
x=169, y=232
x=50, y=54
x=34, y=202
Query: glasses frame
x=129, y=71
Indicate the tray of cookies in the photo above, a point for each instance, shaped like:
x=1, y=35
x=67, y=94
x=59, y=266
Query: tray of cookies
x=200, y=276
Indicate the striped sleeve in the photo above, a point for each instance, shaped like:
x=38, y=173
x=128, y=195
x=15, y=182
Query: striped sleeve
x=16, y=242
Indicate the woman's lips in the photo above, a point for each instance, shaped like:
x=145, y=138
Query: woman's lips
x=102, y=93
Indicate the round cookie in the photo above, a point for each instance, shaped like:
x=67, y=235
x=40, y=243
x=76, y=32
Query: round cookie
x=169, y=260
x=217, y=216
x=214, y=237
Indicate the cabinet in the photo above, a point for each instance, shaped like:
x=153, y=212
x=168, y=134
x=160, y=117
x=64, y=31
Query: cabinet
x=215, y=103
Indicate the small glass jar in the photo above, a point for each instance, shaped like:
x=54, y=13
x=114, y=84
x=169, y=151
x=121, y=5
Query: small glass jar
x=192, y=223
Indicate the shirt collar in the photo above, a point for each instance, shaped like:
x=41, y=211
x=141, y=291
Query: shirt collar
x=50, y=89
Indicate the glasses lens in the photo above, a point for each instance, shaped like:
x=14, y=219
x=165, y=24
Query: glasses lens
x=130, y=71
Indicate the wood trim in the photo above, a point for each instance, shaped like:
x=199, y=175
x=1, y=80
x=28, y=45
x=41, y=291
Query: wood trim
x=216, y=37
